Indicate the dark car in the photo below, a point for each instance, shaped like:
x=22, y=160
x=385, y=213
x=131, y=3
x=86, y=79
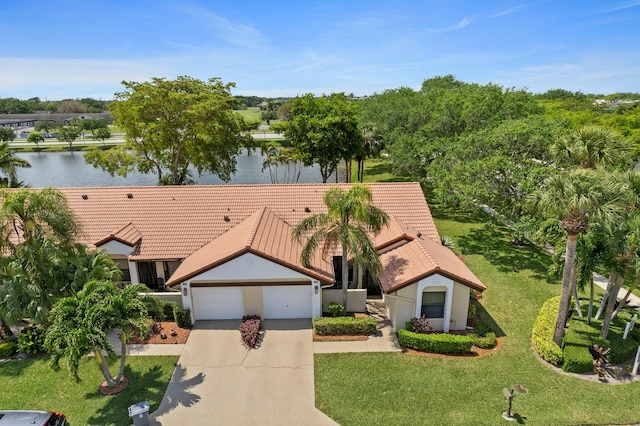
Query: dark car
x=30, y=417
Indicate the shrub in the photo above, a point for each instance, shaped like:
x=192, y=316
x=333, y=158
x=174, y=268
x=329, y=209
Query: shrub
x=577, y=359
x=482, y=328
x=31, y=340
x=155, y=307
x=542, y=333
x=437, y=343
x=168, y=308
x=487, y=341
x=182, y=317
x=344, y=325
x=420, y=325
x=336, y=309
x=471, y=312
x=250, y=329
x=8, y=349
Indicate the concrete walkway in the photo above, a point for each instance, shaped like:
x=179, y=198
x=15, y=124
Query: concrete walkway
x=384, y=340
x=634, y=301
x=219, y=382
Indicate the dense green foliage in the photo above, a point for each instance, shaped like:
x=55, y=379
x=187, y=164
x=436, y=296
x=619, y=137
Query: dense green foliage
x=182, y=317
x=542, y=333
x=324, y=130
x=173, y=127
x=8, y=349
x=440, y=343
x=335, y=309
x=325, y=326
x=31, y=339
x=488, y=341
x=34, y=105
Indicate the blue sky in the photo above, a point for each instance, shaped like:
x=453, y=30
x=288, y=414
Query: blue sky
x=74, y=49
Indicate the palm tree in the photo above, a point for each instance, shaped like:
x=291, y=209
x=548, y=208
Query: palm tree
x=81, y=324
x=350, y=219
x=592, y=146
x=578, y=198
x=9, y=163
x=372, y=145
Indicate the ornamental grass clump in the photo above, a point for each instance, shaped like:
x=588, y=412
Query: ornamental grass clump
x=250, y=330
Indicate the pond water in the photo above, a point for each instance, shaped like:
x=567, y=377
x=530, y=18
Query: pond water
x=68, y=169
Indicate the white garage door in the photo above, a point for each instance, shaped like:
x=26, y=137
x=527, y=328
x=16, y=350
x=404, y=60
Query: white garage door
x=211, y=303
x=286, y=301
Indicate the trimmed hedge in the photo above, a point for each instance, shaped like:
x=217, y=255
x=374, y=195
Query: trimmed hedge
x=436, y=343
x=8, y=349
x=182, y=317
x=577, y=359
x=344, y=325
x=487, y=341
x=542, y=333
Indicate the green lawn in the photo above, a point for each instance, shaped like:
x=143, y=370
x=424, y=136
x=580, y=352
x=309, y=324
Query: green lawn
x=402, y=389
x=31, y=384
x=250, y=114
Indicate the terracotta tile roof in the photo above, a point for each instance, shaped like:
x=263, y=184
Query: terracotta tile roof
x=128, y=235
x=207, y=225
x=176, y=221
x=263, y=234
x=420, y=258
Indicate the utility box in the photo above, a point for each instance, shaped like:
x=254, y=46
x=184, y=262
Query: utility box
x=140, y=413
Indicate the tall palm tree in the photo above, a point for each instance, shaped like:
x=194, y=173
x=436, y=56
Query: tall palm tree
x=9, y=164
x=591, y=147
x=578, y=198
x=350, y=220
x=81, y=324
x=372, y=145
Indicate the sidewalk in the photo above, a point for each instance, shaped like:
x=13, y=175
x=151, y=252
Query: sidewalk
x=384, y=340
x=634, y=301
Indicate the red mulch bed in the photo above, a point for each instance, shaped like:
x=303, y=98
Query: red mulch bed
x=340, y=337
x=173, y=335
x=106, y=390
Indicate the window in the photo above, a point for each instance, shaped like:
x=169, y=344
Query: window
x=433, y=304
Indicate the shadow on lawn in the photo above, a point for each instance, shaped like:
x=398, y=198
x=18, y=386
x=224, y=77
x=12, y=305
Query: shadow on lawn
x=147, y=386
x=493, y=243
x=486, y=317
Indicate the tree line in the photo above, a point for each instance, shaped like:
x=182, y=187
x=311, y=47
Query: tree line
x=65, y=106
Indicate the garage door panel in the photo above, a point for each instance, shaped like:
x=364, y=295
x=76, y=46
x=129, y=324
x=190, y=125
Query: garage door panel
x=287, y=301
x=211, y=303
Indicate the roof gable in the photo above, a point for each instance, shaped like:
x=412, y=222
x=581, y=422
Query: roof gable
x=264, y=234
x=128, y=235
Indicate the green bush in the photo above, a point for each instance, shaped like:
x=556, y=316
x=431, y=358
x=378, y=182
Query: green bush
x=482, y=328
x=7, y=349
x=471, y=312
x=182, y=317
x=577, y=359
x=487, y=341
x=344, y=325
x=31, y=340
x=542, y=333
x=336, y=309
x=168, y=310
x=436, y=343
x=155, y=307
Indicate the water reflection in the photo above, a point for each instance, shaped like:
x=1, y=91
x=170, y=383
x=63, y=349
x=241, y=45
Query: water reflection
x=68, y=169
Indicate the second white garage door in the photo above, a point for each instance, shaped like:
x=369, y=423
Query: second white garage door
x=212, y=303
x=286, y=301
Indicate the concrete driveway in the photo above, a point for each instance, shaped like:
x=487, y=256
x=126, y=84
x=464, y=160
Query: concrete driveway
x=219, y=382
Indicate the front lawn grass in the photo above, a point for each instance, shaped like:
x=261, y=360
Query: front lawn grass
x=31, y=384
x=404, y=389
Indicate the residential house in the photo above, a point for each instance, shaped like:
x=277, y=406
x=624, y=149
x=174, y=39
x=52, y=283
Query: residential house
x=228, y=250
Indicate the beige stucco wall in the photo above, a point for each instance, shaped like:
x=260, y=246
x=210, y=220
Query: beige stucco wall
x=405, y=303
x=356, y=299
x=252, y=300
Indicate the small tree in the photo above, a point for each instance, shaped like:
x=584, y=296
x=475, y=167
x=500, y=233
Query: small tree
x=101, y=134
x=35, y=137
x=6, y=134
x=68, y=134
x=81, y=324
x=47, y=126
x=93, y=125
